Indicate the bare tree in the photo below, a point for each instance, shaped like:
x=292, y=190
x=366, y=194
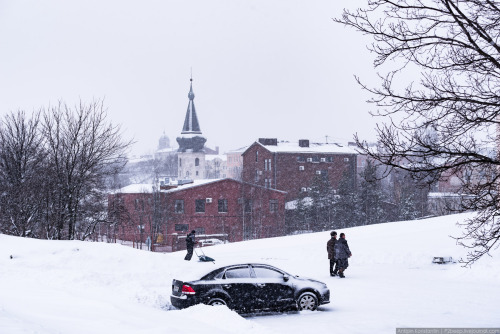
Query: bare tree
x=21, y=174
x=447, y=120
x=83, y=150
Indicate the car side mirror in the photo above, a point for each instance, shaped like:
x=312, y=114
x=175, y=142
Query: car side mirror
x=286, y=278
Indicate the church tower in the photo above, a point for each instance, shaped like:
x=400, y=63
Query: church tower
x=191, y=153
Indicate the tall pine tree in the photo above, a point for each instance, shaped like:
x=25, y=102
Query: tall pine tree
x=371, y=196
x=347, y=203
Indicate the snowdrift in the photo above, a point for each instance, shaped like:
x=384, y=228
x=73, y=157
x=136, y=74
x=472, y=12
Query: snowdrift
x=84, y=287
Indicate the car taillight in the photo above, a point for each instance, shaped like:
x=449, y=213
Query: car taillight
x=187, y=290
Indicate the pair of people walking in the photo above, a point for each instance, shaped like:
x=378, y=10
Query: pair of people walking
x=338, y=254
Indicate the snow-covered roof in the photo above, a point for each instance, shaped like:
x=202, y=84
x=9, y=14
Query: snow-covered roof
x=293, y=147
x=292, y=205
x=168, y=150
x=210, y=157
x=238, y=150
x=446, y=195
x=148, y=188
x=195, y=183
x=135, y=159
x=139, y=188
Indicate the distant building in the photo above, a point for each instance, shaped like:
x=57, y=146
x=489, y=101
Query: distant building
x=225, y=209
x=215, y=166
x=291, y=167
x=163, y=142
x=234, y=161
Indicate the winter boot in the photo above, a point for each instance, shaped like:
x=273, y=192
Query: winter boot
x=334, y=273
x=341, y=273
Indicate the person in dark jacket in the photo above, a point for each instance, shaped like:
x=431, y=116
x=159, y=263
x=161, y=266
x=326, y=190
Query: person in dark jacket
x=330, y=248
x=190, y=242
x=342, y=253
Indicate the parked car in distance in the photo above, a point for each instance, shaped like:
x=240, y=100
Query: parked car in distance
x=210, y=242
x=250, y=287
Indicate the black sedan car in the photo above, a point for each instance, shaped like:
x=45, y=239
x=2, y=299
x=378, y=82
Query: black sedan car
x=250, y=287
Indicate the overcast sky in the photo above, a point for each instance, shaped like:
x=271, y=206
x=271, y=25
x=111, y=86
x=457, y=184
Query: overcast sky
x=261, y=68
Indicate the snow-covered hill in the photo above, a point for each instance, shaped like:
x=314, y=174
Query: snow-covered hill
x=83, y=287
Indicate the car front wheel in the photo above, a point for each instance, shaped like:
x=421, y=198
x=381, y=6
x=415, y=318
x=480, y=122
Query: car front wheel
x=217, y=302
x=307, y=301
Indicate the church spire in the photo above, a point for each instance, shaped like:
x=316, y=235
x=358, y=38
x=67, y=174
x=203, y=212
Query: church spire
x=191, y=137
x=191, y=124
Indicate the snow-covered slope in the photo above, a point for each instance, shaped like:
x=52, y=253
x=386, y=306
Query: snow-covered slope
x=83, y=287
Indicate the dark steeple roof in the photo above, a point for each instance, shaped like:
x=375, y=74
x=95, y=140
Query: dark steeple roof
x=191, y=138
x=191, y=124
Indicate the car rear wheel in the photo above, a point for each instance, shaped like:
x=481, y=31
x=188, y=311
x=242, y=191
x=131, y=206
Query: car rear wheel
x=307, y=301
x=216, y=302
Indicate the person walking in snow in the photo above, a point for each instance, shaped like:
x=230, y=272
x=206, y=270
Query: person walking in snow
x=330, y=248
x=342, y=253
x=190, y=242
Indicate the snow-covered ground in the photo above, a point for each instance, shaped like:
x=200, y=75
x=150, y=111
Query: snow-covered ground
x=84, y=287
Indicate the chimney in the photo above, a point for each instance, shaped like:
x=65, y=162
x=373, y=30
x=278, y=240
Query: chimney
x=269, y=141
x=304, y=142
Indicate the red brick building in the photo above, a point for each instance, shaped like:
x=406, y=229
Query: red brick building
x=291, y=167
x=225, y=209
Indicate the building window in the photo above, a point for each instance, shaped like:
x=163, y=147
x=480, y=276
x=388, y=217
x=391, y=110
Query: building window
x=318, y=172
x=267, y=164
x=181, y=227
x=200, y=205
x=346, y=159
x=222, y=205
x=301, y=167
x=180, y=162
x=273, y=205
x=197, y=162
x=200, y=230
x=303, y=189
x=139, y=204
x=179, y=206
x=301, y=159
x=256, y=156
x=196, y=173
x=322, y=159
x=309, y=159
x=266, y=184
x=315, y=159
x=329, y=159
x=248, y=205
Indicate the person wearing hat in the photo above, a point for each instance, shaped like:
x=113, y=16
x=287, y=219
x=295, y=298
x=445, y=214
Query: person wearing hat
x=330, y=248
x=190, y=242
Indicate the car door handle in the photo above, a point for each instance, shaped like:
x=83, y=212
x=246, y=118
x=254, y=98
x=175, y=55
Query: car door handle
x=261, y=285
x=226, y=285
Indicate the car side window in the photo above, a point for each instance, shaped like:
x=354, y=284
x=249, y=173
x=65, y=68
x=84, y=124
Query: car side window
x=262, y=272
x=243, y=272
